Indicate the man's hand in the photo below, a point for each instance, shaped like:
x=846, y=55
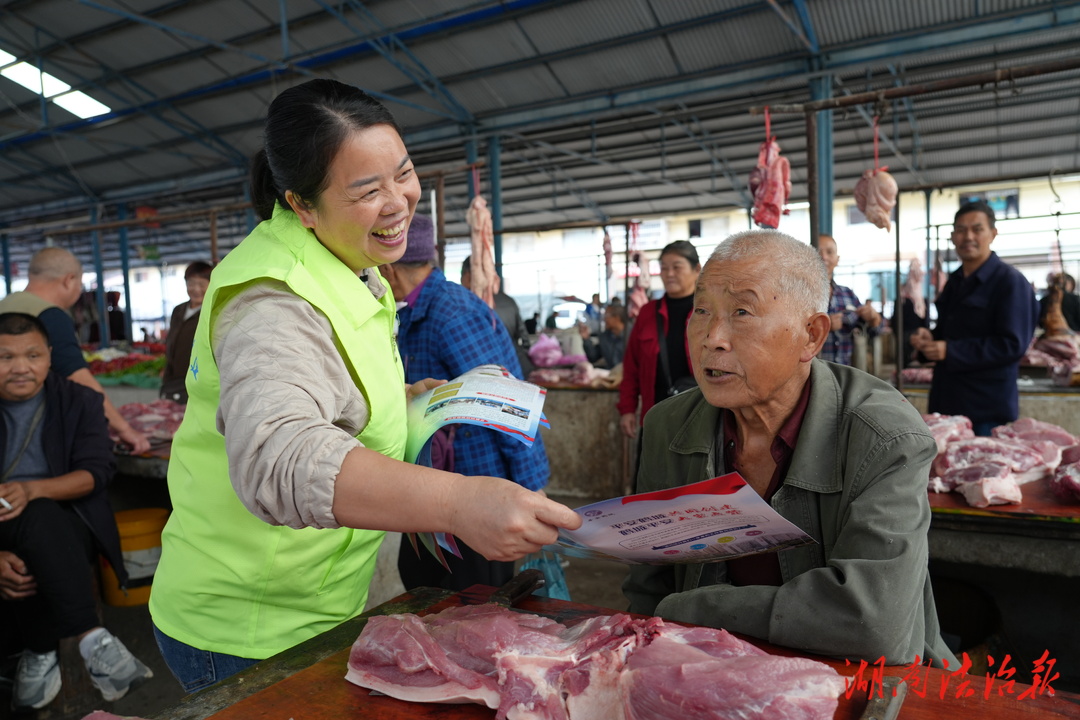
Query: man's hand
x=14, y=494
x=15, y=581
x=836, y=321
x=923, y=341
x=629, y=425
x=138, y=442
x=869, y=315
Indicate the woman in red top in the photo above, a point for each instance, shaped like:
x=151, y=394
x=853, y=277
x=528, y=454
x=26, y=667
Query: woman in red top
x=642, y=377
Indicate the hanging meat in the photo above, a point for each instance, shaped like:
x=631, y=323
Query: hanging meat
x=1053, y=321
x=770, y=183
x=485, y=281
x=875, y=196
x=875, y=193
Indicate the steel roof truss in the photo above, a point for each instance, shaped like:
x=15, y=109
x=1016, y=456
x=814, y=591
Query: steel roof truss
x=394, y=51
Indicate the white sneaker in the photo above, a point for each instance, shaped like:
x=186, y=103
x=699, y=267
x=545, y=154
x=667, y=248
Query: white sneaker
x=113, y=669
x=37, y=681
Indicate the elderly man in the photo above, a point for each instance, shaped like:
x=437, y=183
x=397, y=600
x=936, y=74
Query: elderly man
x=846, y=313
x=987, y=315
x=837, y=452
x=54, y=286
x=444, y=331
x=55, y=518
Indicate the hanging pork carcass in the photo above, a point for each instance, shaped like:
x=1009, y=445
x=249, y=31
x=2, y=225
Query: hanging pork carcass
x=770, y=184
x=875, y=196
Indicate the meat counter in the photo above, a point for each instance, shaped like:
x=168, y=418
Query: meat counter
x=308, y=681
x=1039, y=399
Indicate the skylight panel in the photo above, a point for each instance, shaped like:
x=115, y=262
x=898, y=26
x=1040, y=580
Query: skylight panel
x=42, y=83
x=34, y=80
x=80, y=104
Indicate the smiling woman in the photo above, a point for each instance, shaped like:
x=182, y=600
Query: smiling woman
x=288, y=464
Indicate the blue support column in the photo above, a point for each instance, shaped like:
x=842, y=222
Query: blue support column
x=927, y=275
x=249, y=214
x=820, y=89
x=103, y=313
x=125, y=267
x=471, y=155
x=495, y=180
x=7, y=261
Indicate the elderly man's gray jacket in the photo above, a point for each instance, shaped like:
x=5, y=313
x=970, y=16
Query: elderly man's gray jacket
x=857, y=484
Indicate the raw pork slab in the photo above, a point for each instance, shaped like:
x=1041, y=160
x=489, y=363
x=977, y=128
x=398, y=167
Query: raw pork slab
x=991, y=491
x=1066, y=483
x=946, y=428
x=608, y=667
x=1026, y=463
x=1029, y=430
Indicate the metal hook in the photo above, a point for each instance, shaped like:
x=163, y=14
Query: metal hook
x=1050, y=179
x=1057, y=204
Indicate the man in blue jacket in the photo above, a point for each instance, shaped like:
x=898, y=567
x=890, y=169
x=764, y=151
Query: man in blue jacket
x=987, y=315
x=444, y=331
x=55, y=517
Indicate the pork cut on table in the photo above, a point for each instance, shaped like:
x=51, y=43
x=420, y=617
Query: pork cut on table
x=875, y=196
x=987, y=484
x=946, y=428
x=1070, y=455
x=989, y=471
x=1026, y=463
x=1030, y=430
x=613, y=667
x=1066, y=483
x=158, y=420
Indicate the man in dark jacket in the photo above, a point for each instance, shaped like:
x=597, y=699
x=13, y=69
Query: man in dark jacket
x=987, y=314
x=55, y=517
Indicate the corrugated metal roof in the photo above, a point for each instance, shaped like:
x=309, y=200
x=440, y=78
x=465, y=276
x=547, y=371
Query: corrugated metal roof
x=605, y=108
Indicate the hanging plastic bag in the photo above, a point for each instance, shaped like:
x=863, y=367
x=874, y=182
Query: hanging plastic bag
x=555, y=586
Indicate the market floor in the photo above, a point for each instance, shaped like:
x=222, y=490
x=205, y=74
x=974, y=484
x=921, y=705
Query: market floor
x=591, y=582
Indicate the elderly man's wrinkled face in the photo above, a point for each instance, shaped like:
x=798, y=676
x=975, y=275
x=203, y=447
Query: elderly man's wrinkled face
x=24, y=365
x=746, y=341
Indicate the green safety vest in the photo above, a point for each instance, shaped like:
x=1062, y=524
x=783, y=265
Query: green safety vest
x=229, y=582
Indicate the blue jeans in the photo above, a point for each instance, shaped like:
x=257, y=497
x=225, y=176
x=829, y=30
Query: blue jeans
x=194, y=668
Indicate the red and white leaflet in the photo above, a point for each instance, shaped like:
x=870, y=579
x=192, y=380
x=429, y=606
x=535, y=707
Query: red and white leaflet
x=710, y=521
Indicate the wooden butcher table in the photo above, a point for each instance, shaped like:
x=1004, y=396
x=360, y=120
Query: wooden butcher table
x=1041, y=534
x=307, y=682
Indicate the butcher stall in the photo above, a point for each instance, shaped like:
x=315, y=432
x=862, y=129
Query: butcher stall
x=588, y=454
x=308, y=681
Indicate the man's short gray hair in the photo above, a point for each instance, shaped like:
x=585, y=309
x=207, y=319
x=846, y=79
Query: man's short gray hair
x=799, y=271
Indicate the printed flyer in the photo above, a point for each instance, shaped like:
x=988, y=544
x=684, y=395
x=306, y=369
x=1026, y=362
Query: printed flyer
x=488, y=396
x=710, y=521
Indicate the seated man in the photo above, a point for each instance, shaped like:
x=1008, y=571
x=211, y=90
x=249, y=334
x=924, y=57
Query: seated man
x=54, y=518
x=609, y=345
x=837, y=452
